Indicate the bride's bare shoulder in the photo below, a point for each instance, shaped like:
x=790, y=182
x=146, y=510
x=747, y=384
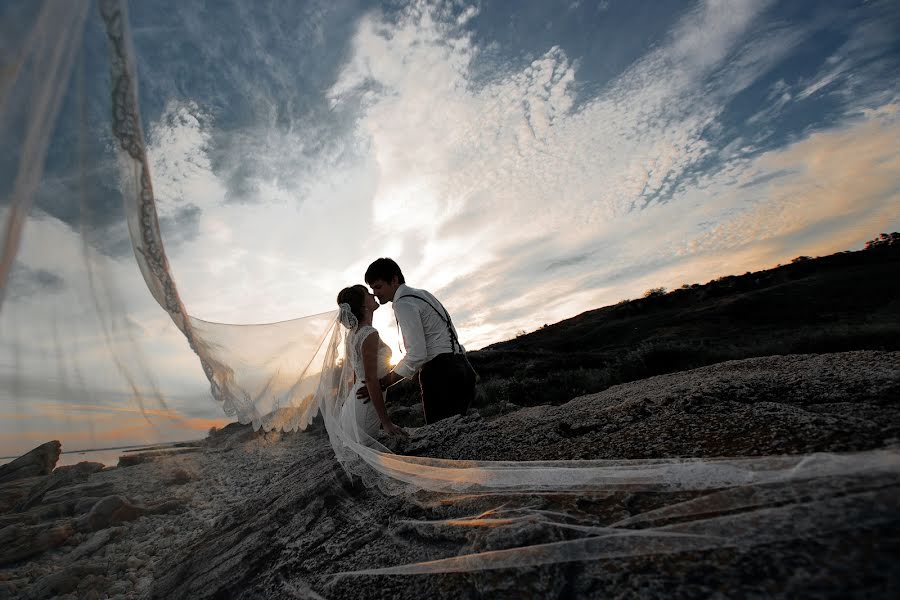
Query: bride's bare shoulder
x=369, y=338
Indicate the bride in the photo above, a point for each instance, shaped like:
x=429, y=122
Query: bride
x=370, y=359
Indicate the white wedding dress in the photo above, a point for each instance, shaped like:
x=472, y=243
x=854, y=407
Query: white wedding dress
x=358, y=418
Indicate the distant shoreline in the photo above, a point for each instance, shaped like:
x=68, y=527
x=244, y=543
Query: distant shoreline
x=129, y=447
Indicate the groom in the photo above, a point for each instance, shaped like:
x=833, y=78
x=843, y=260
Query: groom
x=446, y=380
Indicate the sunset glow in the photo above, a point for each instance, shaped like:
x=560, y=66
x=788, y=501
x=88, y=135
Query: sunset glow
x=523, y=164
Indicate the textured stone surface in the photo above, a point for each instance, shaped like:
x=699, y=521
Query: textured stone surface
x=771, y=405
x=136, y=458
x=18, y=542
x=39, y=461
x=273, y=515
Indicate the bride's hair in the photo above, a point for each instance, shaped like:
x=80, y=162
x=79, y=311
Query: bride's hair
x=355, y=296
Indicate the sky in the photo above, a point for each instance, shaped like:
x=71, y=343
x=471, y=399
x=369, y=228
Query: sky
x=523, y=161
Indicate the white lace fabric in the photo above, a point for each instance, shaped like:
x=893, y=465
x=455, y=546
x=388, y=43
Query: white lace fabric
x=355, y=342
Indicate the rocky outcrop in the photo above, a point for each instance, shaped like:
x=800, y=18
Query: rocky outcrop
x=61, y=477
x=39, y=461
x=76, y=511
x=129, y=460
x=257, y=515
x=310, y=523
x=772, y=405
x=114, y=510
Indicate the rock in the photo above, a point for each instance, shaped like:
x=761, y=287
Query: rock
x=548, y=581
x=82, y=467
x=288, y=536
x=406, y=416
x=276, y=516
x=110, y=510
x=143, y=584
x=9, y=590
x=95, y=542
x=83, y=490
x=13, y=492
x=179, y=476
x=18, y=542
x=65, y=580
x=137, y=458
x=230, y=436
x=39, y=461
x=61, y=477
x=121, y=587
x=770, y=405
x=39, y=514
x=83, y=505
x=113, y=510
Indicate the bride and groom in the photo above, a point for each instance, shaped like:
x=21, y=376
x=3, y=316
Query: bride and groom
x=434, y=355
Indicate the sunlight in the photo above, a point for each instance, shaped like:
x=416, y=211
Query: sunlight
x=406, y=203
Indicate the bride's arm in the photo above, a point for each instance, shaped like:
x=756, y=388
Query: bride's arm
x=370, y=368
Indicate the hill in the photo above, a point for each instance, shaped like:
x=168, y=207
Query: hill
x=842, y=302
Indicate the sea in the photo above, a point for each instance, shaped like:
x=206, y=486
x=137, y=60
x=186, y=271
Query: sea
x=106, y=456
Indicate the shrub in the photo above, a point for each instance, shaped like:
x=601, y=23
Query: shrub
x=884, y=240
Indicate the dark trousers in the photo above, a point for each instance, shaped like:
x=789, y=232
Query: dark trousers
x=447, y=383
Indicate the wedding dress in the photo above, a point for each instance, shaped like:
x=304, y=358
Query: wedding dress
x=358, y=418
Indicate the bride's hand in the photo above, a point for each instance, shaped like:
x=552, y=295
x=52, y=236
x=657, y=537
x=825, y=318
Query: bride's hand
x=392, y=429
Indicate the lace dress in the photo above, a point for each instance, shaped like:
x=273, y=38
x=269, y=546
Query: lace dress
x=358, y=417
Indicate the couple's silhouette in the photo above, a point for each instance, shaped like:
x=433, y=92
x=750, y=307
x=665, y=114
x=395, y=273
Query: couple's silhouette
x=434, y=356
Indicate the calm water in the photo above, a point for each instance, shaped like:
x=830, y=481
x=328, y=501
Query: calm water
x=108, y=457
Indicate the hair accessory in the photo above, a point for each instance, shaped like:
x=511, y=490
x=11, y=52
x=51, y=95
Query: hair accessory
x=348, y=319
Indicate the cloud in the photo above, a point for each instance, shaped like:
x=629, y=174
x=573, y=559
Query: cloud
x=863, y=64
x=601, y=197
x=520, y=191
x=506, y=170
x=24, y=282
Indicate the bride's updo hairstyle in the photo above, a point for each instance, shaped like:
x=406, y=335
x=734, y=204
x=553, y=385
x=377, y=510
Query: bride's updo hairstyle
x=355, y=296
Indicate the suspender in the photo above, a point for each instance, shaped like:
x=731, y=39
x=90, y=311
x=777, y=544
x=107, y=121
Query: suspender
x=444, y=317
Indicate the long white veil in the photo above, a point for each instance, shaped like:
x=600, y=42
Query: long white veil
x=281, y=375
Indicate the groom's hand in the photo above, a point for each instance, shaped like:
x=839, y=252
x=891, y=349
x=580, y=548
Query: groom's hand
x=388, y=380
x=385, y=382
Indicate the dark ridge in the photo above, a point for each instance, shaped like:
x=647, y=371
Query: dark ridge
x=837, y=303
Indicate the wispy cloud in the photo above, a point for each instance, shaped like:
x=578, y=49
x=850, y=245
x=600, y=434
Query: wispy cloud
x=478, y=177
x=290, y=147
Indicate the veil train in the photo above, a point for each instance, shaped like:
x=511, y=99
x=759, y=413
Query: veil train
x=281, y=375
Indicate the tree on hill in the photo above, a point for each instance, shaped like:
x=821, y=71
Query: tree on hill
x=884, y=240
x=655, y=292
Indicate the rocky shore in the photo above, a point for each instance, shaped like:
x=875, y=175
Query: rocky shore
x=248, y=515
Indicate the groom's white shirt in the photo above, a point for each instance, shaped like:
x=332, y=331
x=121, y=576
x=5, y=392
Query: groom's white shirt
x=424, y=333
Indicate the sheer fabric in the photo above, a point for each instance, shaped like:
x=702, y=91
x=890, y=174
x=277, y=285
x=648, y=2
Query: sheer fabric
x=281, y=375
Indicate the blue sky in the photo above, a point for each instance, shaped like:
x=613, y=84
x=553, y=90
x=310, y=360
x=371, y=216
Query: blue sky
x=524, y=161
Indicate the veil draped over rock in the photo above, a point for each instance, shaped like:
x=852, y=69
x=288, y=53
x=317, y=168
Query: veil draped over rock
x=281, y=375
